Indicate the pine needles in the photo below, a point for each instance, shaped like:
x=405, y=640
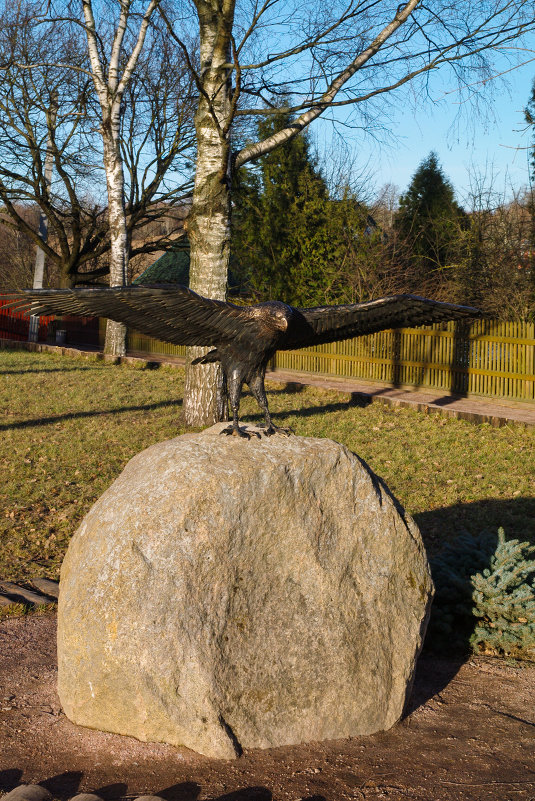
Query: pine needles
x=504, y=598
x=485, y=597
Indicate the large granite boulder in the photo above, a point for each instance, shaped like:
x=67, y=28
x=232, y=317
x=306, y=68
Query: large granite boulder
x=227, y=594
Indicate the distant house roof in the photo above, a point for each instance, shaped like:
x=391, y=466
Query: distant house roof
x=171, y=268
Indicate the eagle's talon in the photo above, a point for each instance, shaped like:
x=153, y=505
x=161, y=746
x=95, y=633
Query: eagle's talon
x=235, y=431
x=271, y=429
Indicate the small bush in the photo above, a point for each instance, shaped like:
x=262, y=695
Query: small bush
x=485, y=597
x=504, y=598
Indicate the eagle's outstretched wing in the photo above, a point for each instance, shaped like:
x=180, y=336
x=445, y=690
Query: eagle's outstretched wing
x=316, y=326
x=169, y=312
x=174, y=313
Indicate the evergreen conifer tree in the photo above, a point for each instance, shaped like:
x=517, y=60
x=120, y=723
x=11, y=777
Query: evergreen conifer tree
x=291, y=240
x=280, y=217
x=504, y=598
x=484, y=596
x=429, y=221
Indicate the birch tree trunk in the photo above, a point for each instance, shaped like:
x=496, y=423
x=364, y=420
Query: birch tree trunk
x=209, y=220
x=39, y=270
x=110, y=86
x=115, y=342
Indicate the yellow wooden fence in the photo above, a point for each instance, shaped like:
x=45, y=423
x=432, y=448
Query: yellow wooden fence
x=487, y=357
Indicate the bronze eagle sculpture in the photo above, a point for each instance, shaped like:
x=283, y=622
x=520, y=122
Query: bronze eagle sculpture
x=242, y=338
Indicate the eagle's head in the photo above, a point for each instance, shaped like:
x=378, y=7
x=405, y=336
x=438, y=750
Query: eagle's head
x=280, y=317
x=274, y=314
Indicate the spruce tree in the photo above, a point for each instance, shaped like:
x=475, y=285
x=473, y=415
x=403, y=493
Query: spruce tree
x=280, y=217
x=504, y=598
x=484, y=596
x=429, y=222
x=291, y=240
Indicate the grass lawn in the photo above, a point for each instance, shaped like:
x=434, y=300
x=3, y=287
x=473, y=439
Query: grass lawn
x=68, y=427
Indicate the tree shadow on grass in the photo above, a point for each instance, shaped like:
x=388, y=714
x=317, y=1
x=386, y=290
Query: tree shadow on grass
x=47, y=370
x=359, y=399
x=356, y=399
x=516, y=516
x=45, y=421
x=287, y=388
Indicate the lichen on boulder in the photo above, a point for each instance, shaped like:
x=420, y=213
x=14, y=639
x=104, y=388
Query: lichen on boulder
x=226, y=594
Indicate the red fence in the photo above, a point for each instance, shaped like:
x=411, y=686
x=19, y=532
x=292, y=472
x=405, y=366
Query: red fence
x=78, y=330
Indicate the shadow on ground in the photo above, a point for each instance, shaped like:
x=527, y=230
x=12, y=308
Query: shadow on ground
x=447, y=648
x=287, y=388
x=355, y=399
x=66, y=785
x=46, y=421
x=431, y=679
x=46, y=370
x=515, y=515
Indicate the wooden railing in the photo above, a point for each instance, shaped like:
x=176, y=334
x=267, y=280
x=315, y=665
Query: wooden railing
x=14, y=325
x=488, y=357
x=79, y=330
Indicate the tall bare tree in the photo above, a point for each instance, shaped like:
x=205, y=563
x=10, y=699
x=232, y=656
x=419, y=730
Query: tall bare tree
x=112, y=68
x=44, y=67
x=157, y=144
x=43, y=114
x=347, y=54
x=497, y=273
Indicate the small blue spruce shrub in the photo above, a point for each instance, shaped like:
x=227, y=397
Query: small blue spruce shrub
x=485, y=597
x=504, y=601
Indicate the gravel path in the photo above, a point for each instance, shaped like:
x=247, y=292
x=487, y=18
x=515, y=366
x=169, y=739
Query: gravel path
x=470, y=736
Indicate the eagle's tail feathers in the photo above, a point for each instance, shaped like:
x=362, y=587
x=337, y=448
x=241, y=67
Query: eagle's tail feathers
x=211, y=356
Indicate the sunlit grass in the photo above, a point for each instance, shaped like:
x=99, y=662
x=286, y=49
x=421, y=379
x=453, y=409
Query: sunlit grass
x=68, y=427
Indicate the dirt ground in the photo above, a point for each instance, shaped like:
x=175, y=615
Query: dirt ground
x=470, y=734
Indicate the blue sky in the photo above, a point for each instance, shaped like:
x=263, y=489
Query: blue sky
x=462, y=140
x=494, y=140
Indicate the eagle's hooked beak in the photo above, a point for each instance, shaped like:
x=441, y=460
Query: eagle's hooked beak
x=281, y=321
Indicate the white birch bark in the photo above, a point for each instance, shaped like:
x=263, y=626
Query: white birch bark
x=209, y=221
x=39, y=270
x=115, y=342
x=110, y=90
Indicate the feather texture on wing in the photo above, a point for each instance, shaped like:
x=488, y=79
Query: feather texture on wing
x=174, y=313
x=322, y=324
x=169, y=312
